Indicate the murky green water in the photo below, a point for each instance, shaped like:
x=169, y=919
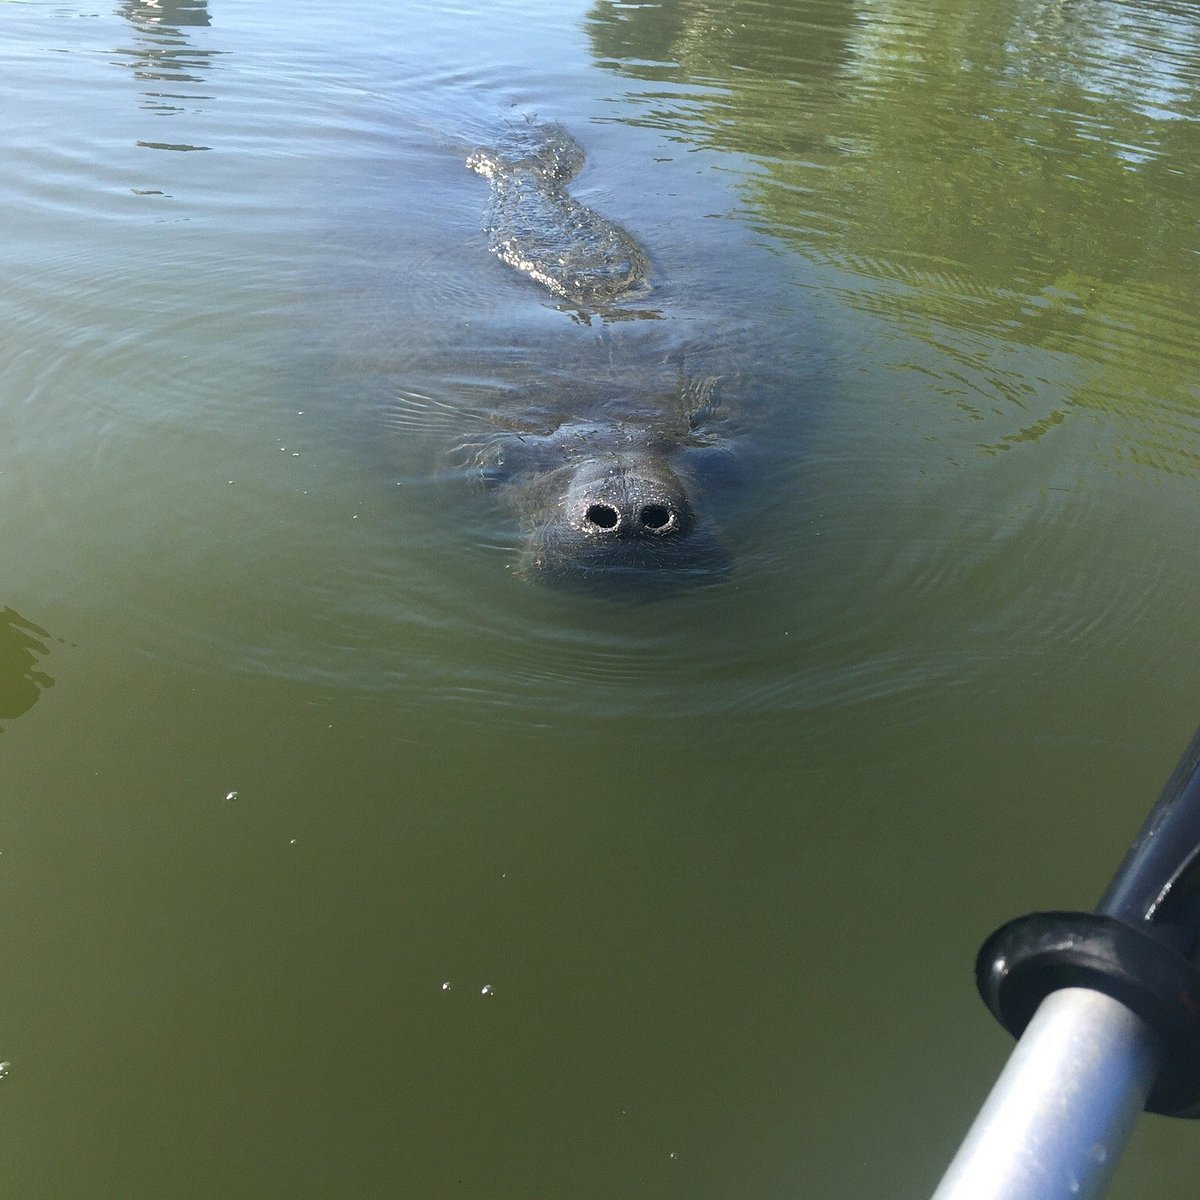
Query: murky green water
x=705, y=875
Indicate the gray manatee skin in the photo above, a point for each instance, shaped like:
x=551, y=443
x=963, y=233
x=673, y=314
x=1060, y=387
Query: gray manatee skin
x=608, y=492
x=607, y=500
x=536, y=226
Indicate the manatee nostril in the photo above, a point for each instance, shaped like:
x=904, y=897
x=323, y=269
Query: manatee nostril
x=655, y=516
x=603, y=516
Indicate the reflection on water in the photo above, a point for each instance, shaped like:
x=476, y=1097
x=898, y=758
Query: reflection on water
x=22, y=647
x=712, y=41
x=163, y=54
x=1027, y=172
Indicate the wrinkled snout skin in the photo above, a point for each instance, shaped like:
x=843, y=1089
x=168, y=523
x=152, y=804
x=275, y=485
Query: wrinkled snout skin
x=628, y=500
x=614, y=513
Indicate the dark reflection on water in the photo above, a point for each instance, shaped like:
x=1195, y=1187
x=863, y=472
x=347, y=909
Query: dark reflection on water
x=163, y=54
x=177, y=13
x=22, y=647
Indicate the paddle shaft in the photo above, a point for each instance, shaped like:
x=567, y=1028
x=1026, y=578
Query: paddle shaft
x=1062, y=1110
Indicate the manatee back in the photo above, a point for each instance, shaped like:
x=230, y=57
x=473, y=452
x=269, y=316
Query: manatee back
x=536, y=226
x=547, y=150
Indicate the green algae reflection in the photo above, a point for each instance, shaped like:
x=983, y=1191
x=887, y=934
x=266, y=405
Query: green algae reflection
x=1015, y=184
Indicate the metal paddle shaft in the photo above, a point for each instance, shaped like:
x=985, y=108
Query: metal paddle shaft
x=1107, y=1009
x=1064, y=1106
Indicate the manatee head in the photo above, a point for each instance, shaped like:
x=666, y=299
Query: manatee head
x=617, y=514
x=615, y=500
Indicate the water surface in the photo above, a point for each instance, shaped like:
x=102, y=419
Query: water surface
x=705, y=874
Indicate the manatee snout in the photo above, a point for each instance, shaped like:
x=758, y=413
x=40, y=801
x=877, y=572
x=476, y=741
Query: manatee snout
x=619, y=514
x=644, y=502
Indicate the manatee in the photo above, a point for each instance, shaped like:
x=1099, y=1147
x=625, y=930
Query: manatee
x=602, y=483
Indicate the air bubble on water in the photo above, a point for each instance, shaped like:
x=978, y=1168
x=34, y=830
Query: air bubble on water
x=486, y=990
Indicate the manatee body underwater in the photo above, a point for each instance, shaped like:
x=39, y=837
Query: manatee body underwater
x=603, y=485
